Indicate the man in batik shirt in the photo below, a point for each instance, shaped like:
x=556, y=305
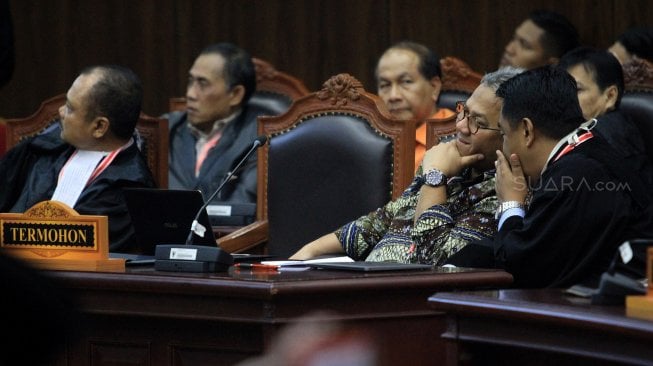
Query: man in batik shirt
x=450, y=203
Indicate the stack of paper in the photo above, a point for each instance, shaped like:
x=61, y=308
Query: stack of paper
x=301, y=265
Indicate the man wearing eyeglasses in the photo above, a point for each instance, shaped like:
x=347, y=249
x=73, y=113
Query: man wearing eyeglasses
x=568, y=199
x=450, y=202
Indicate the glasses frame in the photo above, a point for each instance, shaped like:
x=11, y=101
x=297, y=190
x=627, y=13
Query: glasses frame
x=460, y=109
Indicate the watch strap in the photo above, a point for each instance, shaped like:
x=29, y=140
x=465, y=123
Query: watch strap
x=436, y=174
x=504, y=206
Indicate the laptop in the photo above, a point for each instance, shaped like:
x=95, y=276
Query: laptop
x=164, y=216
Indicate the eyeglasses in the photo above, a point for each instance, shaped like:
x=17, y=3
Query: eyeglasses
x=472, y=121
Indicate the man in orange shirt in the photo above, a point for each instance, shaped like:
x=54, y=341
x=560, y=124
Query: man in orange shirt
x=408, y=80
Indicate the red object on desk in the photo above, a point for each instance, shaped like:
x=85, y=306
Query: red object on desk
x=256, y=267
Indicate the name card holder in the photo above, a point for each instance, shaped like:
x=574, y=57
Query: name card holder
x=51, y=235
x=642, y=306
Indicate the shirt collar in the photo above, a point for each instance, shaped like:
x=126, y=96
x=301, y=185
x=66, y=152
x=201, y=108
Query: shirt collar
x=218, y=126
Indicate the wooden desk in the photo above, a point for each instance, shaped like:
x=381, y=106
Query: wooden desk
x=540, y=327
x=145, y=317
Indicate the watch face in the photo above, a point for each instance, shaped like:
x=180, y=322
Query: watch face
x=434, y=178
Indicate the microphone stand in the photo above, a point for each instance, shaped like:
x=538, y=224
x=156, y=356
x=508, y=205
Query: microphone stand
x=260, y=141
x=194, y=258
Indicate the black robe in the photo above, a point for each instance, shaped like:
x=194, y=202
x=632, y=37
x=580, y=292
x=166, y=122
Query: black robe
x=625, y=138
x=29, y=172
x=584, y=206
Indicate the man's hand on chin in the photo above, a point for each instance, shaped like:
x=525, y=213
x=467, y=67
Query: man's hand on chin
x=510, y=180
x=446, y=158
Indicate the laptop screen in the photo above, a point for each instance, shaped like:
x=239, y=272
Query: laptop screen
x=164, y=216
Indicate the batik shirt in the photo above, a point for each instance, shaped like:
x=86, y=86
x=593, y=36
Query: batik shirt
x=391, y=234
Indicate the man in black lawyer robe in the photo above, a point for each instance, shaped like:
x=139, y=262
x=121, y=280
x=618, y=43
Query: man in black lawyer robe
x=95, y=136
x=583, y=201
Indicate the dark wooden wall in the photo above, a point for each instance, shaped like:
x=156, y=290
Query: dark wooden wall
x=311, y=39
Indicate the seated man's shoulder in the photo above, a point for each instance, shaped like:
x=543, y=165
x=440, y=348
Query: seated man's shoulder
x=246, y=124
x=254, y=110
x=620, y=132
x=578, y=171
x=47, y=141
x=581, y=163
x=596, y=169
x=175, y=118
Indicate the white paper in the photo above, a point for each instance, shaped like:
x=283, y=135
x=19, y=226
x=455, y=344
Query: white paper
x=293, y=268
x=308, y=261
x=75, y=175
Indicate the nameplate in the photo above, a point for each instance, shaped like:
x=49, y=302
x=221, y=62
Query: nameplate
x=54, y=235
x=218, y=210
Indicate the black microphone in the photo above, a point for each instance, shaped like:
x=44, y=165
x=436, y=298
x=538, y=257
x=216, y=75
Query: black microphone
x=196, y=258
x=260, y=141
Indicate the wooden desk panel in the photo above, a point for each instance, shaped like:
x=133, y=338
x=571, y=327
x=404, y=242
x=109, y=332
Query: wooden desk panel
x=540, y=327
x=145, y=317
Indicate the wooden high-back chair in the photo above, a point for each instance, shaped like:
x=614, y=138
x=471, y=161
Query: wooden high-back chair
x=151, y=135
x=335, y=155
x=275, y=90
x=152, y=138
x=440, y=130
x=458, y=82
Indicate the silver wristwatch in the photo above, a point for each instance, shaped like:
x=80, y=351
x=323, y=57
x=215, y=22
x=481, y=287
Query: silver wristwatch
x=434, y=178
x=503, y=206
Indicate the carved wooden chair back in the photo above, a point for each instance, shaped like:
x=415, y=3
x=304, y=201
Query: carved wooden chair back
x=440, y=130
x=458, y=82
x=335, y=155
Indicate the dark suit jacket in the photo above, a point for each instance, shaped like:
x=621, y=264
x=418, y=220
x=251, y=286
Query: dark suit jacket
x=237, y=138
